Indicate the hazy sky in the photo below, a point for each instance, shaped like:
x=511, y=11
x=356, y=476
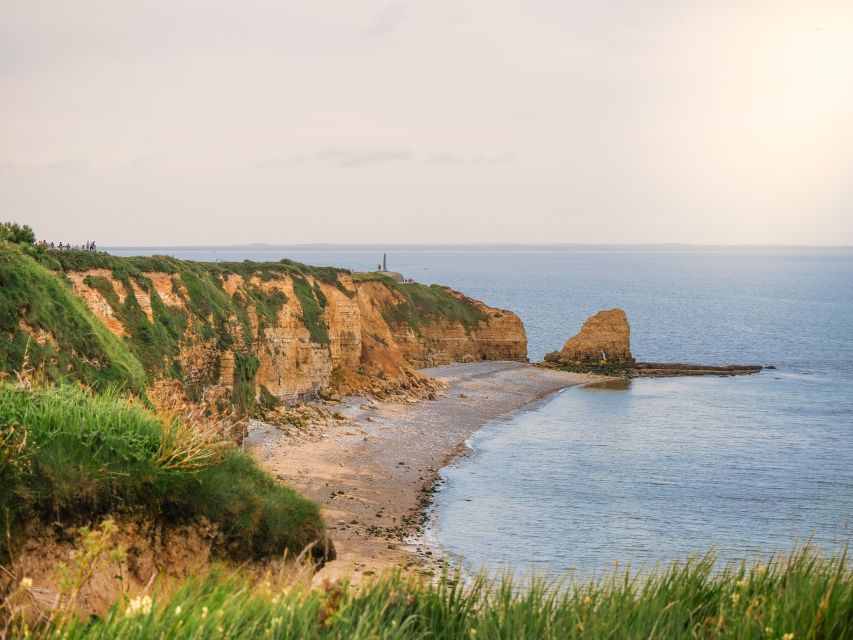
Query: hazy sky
x=196, y=122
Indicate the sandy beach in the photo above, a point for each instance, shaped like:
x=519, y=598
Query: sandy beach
x=373, y=468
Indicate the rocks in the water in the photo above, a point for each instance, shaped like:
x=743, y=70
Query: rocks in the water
x=604, y=340
x=603, y=346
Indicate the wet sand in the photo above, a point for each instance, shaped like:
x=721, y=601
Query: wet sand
x=373, y=470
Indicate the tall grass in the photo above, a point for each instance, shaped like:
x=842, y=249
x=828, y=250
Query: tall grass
x=86, y=455
x=801, y=596
x=34, y=299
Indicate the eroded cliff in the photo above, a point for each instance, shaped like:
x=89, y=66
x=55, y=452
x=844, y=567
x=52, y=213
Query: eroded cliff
x=263, y=332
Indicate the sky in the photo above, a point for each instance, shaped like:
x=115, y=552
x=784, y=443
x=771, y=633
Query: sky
x=541, y=121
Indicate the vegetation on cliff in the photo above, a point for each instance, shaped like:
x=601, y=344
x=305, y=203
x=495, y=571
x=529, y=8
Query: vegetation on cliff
x=45, y=325
x=238, y=329
x=804, y=596
x=420, y=303
x=69, y=455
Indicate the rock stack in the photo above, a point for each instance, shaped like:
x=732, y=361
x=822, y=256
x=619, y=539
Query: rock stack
x=604, y=340
x=603, y=345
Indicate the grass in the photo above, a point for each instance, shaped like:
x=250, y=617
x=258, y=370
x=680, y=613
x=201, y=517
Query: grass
x=210, y=306
x=84, y=456
x=422, y=303
x=34, y=301
x=155, y=343
x=312, y=301
x=37, y=300
x=243, y=392
x=799, y=597
x=135, y=265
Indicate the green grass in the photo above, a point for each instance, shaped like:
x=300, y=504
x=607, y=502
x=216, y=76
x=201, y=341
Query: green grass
x=243, y=392
x=135, y=265
x=82, y=348
x=312, y=301
x=211, y=308
x=34, y=291
x=155, y=342
x=805, y=596
x=424, y=303
x=88, y=455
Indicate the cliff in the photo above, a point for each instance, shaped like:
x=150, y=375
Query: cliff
x=244, y=331
x=604, y=340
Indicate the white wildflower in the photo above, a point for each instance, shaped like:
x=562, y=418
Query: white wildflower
x=141, y=605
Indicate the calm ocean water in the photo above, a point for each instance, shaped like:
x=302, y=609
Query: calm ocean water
x=661, y=468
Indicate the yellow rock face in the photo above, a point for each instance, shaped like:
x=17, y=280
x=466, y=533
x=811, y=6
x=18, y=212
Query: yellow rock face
x=364, y=351
x=603, y=339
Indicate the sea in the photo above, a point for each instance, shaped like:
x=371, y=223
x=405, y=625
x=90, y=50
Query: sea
x=634, y=474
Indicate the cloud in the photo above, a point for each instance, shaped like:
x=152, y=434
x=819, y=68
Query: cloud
x=458, y=18
x=444, y=157
x=59, y=166
x=360, y=158
x=143, y=163
x=280, y=163
x=350, y=157
x=387, y=20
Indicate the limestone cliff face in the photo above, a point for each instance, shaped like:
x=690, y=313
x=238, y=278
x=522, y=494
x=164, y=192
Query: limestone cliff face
x=604, y=339
x=428, y=340
x=290, y=333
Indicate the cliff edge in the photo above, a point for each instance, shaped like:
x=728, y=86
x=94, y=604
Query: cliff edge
x=243, y=333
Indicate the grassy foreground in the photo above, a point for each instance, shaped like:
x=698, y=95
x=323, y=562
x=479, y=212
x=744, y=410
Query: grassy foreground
x=70, y=455
x=799, y=597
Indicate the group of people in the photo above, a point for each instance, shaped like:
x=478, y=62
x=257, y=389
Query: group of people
x=88, y=246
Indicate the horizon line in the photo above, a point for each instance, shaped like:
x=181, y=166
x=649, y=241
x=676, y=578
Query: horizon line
x=554, y=245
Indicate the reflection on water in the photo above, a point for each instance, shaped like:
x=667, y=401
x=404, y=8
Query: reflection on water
x=616, y=384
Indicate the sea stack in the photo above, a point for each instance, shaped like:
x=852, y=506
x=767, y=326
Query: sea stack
x=604, y=339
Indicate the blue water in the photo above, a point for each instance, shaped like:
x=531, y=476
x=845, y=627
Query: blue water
x=662, y=467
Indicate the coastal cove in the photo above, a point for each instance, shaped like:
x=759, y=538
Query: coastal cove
x=765, y=460
x=253, y=415
x=374, y=472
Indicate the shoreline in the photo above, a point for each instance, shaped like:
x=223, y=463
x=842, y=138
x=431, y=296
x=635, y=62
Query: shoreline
x=374, y=469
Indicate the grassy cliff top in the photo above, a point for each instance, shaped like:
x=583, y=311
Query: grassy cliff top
x=137, y=265
x=35, y=303
x=67, y=454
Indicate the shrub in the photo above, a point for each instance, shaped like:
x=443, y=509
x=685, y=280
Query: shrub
x=17, y=234
x=87, y=455
x=44, y=322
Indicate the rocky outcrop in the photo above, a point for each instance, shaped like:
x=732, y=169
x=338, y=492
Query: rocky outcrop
x=604, y=340
x=604, y=345
x=677, y=369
